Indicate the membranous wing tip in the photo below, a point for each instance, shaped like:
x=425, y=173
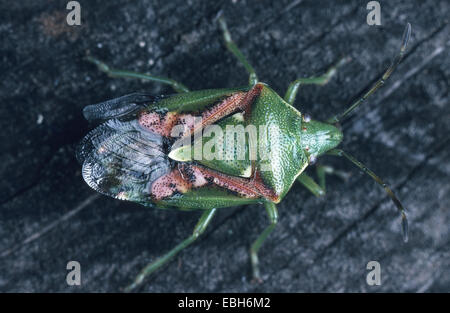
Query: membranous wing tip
x=118, y=107
x=121, y=158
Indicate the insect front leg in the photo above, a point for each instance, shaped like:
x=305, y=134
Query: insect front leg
x=273, y=217
x=292, y=90
x=203, y=222
x=323, y=170
x=319, y=189
x=231, y=46
x=178, y=87
x=311, y=185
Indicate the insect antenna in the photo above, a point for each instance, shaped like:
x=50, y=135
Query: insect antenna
x=380, y=82
x=398, y=204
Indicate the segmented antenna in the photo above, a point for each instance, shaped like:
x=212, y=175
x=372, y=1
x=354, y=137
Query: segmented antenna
x=339, y=117
x=398, y=204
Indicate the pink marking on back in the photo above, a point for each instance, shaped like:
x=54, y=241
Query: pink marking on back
x=181, y=179
x=224, y=108
x=160, y=123
x=167, y=185
x=243, y=186
x=187, y=176
x=247, y=187
x=188, y=123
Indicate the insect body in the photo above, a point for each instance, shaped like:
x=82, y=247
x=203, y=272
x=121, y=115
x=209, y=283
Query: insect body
x=147, y=149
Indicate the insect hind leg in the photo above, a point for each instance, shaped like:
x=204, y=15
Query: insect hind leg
x=178, y=87
x=199, y=229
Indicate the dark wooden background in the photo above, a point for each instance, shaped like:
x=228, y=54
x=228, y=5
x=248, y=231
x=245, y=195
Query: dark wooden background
x=49, y=216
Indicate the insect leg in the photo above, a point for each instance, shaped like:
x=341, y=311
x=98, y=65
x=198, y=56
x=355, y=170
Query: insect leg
x=203, y=222
x=398, y=204
x=380, y=82
x=311, y=185
x=273, y=216
x=178, y=87
x=323, y=170
x=231, y=46
x=292, y=90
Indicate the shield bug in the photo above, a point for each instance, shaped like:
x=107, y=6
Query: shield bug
x=153, y=149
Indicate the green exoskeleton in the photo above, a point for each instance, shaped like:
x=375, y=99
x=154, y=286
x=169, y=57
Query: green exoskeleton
x=143, y=150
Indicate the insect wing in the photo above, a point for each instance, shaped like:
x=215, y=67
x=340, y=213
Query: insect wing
x=119, y=107
x=121, y=159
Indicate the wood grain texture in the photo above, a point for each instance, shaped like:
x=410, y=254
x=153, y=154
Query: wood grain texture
x=49, y=216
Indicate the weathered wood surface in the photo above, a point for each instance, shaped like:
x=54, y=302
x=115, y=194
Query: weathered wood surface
x=49, y=216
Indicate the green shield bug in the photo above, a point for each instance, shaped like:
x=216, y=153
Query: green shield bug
x=153, y=149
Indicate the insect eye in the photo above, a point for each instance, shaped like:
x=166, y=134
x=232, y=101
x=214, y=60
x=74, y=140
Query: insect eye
x=312, y=159
x=306, y=118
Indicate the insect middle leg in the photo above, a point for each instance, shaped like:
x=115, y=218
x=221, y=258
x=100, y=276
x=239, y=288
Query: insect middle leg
x=273, y=217
x=292, y=90
x=231, y=46
x=203, y=222
x=178, y=87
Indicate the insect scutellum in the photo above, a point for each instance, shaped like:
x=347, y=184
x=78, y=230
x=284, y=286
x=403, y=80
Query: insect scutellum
x=132, y=155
